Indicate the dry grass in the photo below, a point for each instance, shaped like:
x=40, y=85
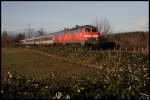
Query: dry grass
x=120, y=76
x=33, y=64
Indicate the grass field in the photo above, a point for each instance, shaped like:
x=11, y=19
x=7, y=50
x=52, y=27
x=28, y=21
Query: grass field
x=33, y=64
x=30, y=74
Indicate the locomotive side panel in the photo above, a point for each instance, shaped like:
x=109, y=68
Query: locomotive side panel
x=70, y=37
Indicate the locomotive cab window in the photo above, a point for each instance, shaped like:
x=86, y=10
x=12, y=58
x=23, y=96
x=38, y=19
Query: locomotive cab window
x=94, y=30
x=87, y=30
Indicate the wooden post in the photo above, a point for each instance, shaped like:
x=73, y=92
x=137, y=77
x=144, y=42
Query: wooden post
x=120, y=48
x=114, y=49
x=147, y=50
x=142, y=50
x=120, y=51
x=119, y=58
x=126, y=49
x=134, y=50
x=139, y=50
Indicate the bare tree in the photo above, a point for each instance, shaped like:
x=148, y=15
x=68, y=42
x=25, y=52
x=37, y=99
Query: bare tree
x=6, y=40
x=19, y=37
x=41, y=31
x=103, y=26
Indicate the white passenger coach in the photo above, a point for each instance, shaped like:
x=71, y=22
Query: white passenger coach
x=38, y=40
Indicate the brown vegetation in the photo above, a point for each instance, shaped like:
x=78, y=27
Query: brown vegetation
x=8, y=41
x=130, y=40
x=33, y=75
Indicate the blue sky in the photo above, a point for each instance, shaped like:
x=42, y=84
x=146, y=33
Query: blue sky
x=56, y=15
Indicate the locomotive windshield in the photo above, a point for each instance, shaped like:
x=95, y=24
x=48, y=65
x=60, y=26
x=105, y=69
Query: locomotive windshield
x=87, y=29
x=94, y=30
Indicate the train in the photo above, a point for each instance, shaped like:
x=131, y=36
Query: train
x=83, y=35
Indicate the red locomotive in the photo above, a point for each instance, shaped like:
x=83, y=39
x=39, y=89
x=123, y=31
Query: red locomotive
x=79, y=34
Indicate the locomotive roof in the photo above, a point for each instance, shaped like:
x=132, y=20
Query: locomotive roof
x=77, y=27
x=87, y=26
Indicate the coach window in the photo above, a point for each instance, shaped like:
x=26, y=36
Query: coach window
x=49, y=38
x=46, y=38
x=79, y=30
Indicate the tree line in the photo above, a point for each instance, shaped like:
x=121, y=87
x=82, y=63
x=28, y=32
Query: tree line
x=14, y=41
x=8, y=41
